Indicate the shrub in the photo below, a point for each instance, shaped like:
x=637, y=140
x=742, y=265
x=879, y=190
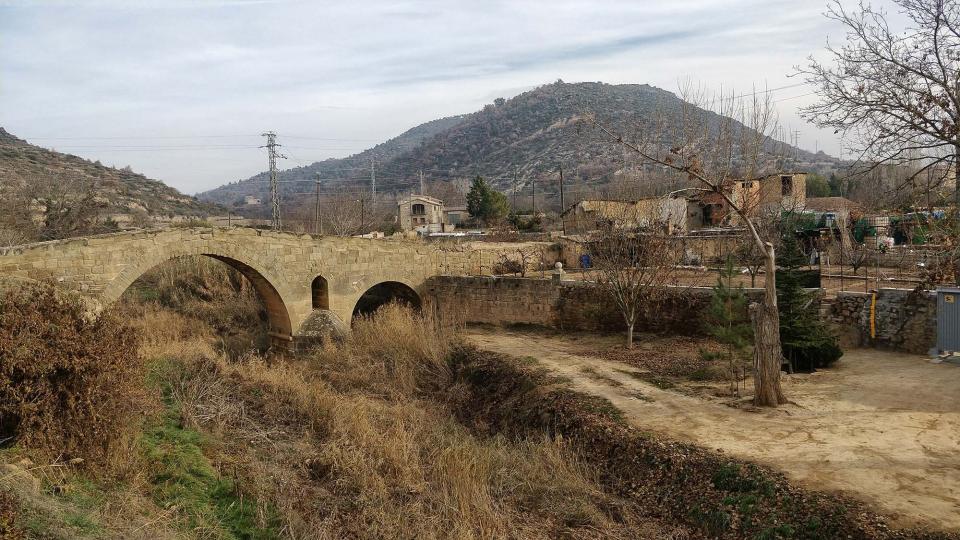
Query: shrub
x=70, y=384
x=8, y=518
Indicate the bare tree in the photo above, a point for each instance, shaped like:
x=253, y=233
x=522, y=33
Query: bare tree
x=517, y=261
x=713, y=141
x=634, y=268
x=894, y=95
x=749, y=254
x=341, y=212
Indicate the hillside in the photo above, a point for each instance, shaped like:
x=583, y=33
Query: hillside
x=529, y=135
x=117, y=192
x=355, y=168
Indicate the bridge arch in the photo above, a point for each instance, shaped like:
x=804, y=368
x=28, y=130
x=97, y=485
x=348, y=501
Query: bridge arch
x=272, y=289
x=383, y=293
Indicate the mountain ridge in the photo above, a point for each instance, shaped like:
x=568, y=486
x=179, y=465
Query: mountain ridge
x=511, y=142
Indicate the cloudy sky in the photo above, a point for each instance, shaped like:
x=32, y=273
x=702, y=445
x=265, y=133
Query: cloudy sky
x=181, y=89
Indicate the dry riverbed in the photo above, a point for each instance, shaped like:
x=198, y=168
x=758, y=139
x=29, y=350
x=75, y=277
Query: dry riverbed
x=882, y=427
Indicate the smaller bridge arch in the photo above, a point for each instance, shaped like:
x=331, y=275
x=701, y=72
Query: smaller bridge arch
x=384, y=293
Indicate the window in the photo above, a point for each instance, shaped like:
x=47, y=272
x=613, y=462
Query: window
x=418, y=210
x=747, y=185
x=786, y=185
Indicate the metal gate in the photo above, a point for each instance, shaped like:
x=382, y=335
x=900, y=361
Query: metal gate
x=948, y=319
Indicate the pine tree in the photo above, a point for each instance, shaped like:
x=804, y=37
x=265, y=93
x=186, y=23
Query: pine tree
x=485, y=203
x=729, y=323
x=806, y=340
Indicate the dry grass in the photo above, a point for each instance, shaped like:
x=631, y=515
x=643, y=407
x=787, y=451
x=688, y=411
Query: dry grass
x=353, y=443
x=223, y=302
x=356, y=440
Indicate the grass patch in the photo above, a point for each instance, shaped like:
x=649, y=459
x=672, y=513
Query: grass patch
x=182, y=477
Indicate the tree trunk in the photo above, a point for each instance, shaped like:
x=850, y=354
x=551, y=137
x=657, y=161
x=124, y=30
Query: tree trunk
x=766, y=350
x=629, y=335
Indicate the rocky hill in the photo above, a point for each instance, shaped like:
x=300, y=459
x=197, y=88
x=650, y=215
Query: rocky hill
x=117, y=192
x=526, y=137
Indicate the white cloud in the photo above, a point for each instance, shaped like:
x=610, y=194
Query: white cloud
x=358, y=72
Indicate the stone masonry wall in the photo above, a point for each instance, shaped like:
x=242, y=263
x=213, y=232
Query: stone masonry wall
x=568, y=305
x=281, y=266
x=905, y=320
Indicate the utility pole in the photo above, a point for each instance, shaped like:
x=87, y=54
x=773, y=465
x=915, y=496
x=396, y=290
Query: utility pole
x=563, y=228
x=317, y=224
x=514, y=189
x=796, y=145
x=373, y=178
x=534, y=184
x=562, y=207
x=271, y=147
x=422, y=190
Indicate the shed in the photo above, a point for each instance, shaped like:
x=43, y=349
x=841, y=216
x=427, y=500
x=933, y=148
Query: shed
x=948, y=319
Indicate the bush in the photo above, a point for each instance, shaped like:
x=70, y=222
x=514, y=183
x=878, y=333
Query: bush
x=70, y=384
x=8, y=518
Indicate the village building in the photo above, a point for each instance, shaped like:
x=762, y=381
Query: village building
x=421, y=213
x=678, y=214
x=456, y=215
x=668, y=214
x=771, y=193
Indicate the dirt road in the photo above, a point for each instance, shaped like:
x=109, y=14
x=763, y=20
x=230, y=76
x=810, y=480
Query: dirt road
x=882, y=427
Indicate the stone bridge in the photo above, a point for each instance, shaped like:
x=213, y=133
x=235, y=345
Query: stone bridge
x=301, y=279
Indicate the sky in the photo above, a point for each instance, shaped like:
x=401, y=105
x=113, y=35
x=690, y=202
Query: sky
x=181, y=90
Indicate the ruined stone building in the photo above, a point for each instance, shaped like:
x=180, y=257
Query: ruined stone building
x=668, y=214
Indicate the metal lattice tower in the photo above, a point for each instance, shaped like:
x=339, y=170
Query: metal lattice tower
x=272, y=153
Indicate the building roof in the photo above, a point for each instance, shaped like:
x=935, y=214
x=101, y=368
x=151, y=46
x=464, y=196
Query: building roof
x=421, y=198
x=831, y=204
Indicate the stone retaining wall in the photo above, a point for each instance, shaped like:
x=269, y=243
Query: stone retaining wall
x=567, y=305
x=905, y=320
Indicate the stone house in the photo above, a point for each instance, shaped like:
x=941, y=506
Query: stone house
x=421, y=213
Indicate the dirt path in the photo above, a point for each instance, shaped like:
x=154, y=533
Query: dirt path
x=883, y=427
